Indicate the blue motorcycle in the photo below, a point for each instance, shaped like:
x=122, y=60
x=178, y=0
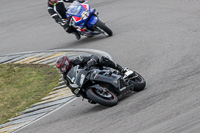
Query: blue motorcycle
x=86, y=21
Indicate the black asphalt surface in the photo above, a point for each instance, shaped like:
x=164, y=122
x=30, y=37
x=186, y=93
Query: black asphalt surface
x=158, y=38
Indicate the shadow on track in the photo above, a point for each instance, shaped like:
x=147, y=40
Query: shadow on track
x=85, y=40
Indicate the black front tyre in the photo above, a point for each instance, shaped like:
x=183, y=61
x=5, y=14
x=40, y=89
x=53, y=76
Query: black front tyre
x=104, y=98
x=138, y=82
x=103, y=28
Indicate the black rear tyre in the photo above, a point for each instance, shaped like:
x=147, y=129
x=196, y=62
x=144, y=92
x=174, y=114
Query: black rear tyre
x=107, y=98
x=103, y=28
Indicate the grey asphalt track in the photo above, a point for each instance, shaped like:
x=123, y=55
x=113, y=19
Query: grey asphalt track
x=158, y=38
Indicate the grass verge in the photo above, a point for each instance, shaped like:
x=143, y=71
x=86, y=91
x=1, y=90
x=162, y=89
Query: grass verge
x=22, y=85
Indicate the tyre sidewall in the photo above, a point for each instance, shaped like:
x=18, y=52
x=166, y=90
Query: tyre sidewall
x=90, y=94
x=102, y=26
x=139, y=86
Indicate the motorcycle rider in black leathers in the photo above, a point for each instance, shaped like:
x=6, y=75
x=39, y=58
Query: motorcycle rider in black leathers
x=57, y=10
x=64, y=64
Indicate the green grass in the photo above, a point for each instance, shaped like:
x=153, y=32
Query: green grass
x=22, y=85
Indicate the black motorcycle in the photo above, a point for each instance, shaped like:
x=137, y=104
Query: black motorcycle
x=103, y=85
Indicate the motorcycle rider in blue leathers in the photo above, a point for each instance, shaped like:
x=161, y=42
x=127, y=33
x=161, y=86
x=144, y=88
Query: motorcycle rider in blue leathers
x=57, y=10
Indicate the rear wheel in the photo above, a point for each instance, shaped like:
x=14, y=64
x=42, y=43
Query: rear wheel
x=103, y=97
x=103, y=28
x=139, y=82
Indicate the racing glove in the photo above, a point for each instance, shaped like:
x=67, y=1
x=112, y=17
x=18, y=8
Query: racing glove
x=91, y=62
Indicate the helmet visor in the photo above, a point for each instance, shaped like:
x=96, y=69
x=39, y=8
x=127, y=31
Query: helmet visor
x=64, y=67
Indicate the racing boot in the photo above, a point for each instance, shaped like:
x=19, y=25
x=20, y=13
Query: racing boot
x=78, y=36
x=121, y=70
x=91, y=102
x=128, y=73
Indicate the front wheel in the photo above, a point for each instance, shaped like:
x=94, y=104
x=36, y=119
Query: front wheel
x=139, y=82
x=103, y=97
x=103, y=28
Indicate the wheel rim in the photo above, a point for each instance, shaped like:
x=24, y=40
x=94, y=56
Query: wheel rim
x=102, y=31
x=137, y=78
x=104, y=94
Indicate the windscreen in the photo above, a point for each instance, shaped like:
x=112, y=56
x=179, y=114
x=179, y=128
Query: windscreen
x=74, y=8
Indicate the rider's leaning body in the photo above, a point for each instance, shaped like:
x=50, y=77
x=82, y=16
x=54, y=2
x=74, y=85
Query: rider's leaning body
x=57, y=11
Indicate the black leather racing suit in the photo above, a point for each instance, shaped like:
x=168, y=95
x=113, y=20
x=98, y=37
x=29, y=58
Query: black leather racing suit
x=87, y=61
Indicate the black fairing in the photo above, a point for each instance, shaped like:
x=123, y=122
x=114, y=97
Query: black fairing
x=81, y=77
x=77, y=76
x=105, y=76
